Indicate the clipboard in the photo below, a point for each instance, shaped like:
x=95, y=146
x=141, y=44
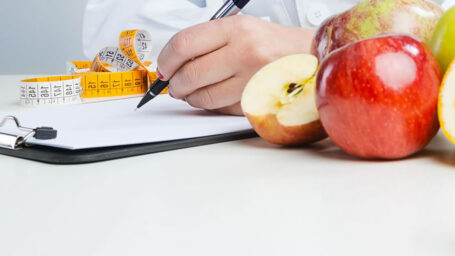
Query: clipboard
x=41, y=143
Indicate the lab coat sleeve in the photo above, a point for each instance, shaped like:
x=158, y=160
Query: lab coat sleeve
x=447, y=4
x=105, y=19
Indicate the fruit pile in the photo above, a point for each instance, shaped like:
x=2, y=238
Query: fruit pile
x=378, y=89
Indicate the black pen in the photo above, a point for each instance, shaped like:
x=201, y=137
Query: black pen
x=231, y=7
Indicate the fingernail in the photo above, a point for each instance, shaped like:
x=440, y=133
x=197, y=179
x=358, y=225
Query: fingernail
x=158, y=73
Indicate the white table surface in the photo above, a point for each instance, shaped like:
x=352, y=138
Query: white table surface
x=238, y=198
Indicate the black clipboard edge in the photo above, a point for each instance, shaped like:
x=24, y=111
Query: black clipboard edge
x=58, y=156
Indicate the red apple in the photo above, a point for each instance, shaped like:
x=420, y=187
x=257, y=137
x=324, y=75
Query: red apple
x=377, y=98
x=375, y=17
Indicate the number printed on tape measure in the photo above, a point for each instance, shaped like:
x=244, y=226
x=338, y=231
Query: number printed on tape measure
x=104, y=84
x=51, y=90
x=115, y=71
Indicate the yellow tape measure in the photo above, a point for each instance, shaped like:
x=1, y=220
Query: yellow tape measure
x=115, y=71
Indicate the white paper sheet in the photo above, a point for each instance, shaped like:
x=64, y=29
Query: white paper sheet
x=115, y=123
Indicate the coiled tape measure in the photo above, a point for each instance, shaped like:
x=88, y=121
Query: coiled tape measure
x=115, y=71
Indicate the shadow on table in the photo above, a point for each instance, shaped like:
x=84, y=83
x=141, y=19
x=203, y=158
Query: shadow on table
x=438, y=150
x=323, y=149
x=446, y=157
x=443, y=156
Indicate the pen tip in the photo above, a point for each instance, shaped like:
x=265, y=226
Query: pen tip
x=136, y=109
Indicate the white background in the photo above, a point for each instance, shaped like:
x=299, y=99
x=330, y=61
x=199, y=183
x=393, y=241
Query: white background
x=37, y=37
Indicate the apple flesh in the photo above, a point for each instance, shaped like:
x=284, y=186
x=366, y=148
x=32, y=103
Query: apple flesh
x=443, y=41
x=279, y=101
x=377, y=98
x=375, y=17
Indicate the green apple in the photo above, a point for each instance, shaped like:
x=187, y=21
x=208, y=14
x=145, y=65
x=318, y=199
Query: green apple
x=443, y=40
x=374, y=17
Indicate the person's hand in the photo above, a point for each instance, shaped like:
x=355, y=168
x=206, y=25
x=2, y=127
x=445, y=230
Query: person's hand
x=208, y=65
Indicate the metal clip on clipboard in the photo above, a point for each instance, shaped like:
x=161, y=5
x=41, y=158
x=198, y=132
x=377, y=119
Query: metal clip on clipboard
x=14, y=142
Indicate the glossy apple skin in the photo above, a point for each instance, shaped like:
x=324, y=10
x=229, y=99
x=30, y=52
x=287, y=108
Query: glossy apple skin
x=375, y=17
x=377, y=98
x=443, y=41
x=270, y=129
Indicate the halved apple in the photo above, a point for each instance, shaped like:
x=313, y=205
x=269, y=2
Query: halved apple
x=280, y=101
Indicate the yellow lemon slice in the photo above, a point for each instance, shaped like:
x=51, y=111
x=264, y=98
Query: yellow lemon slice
x=446, y=103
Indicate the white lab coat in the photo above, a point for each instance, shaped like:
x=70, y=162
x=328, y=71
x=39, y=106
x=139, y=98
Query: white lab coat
x=105, y=19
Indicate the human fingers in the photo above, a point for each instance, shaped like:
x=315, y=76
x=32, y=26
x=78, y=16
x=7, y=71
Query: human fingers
x=218, y=95
x=235, y=109
x=191, y=43
x=206, y=70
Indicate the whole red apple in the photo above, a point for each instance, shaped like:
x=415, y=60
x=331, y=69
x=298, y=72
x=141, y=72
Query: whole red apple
x=377, y=98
